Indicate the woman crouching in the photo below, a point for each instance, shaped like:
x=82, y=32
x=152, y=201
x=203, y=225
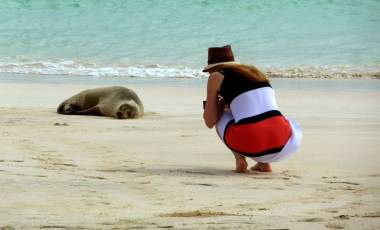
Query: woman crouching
x=241, y=104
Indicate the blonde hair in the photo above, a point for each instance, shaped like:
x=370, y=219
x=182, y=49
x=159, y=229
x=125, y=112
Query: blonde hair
x=248, y=71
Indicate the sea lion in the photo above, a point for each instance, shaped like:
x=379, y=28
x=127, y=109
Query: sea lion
x=115, y=101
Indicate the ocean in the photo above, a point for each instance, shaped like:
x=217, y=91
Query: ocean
x=168, y=39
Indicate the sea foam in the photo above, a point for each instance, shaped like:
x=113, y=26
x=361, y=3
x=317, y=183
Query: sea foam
x=80, y=68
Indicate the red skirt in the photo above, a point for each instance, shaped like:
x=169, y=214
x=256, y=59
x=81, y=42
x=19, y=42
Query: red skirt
x=259, y=138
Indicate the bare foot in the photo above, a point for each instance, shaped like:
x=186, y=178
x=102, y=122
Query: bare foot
x=241, y=163
x=241, y=166
x=256, y=167
x=262, y=167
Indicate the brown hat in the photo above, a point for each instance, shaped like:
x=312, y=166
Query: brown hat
x=219, y=56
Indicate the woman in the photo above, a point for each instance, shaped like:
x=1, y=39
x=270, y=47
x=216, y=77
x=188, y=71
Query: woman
x=241, y=104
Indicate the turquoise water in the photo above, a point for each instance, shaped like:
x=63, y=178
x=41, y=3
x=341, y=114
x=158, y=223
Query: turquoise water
x=169, y=38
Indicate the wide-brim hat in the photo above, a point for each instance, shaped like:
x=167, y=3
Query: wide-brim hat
x=219, y=56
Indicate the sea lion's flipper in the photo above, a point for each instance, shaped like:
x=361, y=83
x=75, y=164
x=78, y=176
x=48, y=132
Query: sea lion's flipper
x=60, y=108
x=91, y=111
x=72, y=108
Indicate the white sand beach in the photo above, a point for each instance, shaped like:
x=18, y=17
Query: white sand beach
x=167, y=170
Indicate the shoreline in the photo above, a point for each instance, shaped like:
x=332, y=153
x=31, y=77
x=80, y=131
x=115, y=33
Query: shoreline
x=287, y=83
x=68, y=68
x=167, y=170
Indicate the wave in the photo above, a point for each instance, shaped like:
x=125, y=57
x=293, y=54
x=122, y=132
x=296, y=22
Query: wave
x=80, y=68
x=75, y=68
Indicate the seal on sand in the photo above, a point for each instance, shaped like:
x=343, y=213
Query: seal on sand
x=116, y=101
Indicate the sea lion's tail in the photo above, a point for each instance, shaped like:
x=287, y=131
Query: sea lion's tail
x=60, y=108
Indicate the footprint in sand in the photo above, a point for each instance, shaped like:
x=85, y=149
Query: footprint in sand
x=197, y=213
x=342, y=217
x=60, y=124
x=290, y=174
x=263, y=209
x=200, y=184
x=312, y=219
x=342, y=182
x=371, y=215
x=333, y=180
x=53, y=160
x=7, y=228
x=49, y=158
x=331, y=211
x=192, y=172
x=334, y=226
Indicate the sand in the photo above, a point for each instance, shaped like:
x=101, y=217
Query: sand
x=167, y=170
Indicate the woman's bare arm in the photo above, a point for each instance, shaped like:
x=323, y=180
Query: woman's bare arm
x=214, y=107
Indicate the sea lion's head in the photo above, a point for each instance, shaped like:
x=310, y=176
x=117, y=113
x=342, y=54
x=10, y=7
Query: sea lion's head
x=128, y=110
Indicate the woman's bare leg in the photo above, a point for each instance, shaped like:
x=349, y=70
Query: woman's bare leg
x=262, y=167
x=241, y=163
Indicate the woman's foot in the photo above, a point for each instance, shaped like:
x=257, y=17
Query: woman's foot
x=241, y=166
x=262, y=167
x=241, y=163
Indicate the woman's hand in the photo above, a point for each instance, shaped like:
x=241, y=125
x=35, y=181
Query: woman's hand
x=214, y=106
